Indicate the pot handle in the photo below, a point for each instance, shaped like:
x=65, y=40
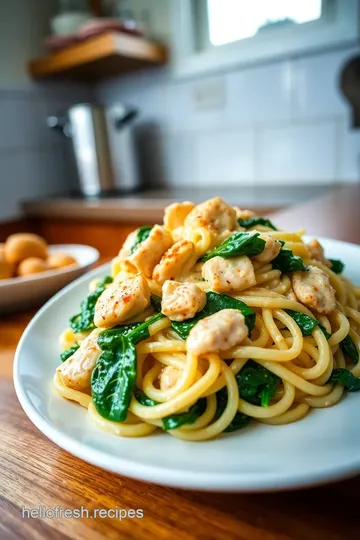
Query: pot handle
x=60, y=124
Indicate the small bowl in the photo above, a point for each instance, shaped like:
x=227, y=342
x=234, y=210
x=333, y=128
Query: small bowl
x=20, y=293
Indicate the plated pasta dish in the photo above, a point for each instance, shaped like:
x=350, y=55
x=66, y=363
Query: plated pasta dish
x=210, y=322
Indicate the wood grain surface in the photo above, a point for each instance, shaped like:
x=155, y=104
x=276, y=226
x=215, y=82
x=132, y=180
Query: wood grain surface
x=107, y=54
x=34, y=473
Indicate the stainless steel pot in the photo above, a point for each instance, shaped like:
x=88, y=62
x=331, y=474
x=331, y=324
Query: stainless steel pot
x=104, y=147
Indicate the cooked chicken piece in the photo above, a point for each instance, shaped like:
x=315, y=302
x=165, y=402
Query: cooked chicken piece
x=122, y=301
x=214, y=215
x=181, y=301
x=176, y=213
x=125, y=251
x=225, y=275
x=218, y=332
x=168, y=377
x=271, y=250
x=76, y=371
x=291, y=295
x=243, y=214
x=150, y=251
x=313, y=289
x=124, y=270
x=177, y=260
x=316, y=251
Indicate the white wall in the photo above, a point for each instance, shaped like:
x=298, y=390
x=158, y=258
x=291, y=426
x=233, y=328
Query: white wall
x=33, y=161
x=23, y=25
x=282, y=122
x=155, y=15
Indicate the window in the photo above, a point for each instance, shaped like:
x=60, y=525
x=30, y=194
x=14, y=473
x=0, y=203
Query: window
x=231, y=20
x=215, y=34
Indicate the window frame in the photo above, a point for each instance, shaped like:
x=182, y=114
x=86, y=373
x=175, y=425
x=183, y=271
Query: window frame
x=337, y=27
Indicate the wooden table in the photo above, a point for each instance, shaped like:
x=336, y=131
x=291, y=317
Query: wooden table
x=34, y=472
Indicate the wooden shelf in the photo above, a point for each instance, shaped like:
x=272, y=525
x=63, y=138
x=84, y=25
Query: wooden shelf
x=102, y=56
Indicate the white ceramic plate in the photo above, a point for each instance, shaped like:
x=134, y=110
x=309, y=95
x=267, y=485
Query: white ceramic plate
x=322, y=447
x=20, y=293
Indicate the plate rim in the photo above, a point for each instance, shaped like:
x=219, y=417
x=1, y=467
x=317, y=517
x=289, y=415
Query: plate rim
x=171, y=477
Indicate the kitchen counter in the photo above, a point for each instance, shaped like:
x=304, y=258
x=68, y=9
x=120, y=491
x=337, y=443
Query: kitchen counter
x=148, y=206
x=34, y=472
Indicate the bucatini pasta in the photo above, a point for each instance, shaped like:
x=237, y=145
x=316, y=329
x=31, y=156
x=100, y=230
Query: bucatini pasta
x=209, y=321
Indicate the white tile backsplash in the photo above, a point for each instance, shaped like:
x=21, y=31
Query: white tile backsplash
x=298, y=153
x=260, y=94
x=23, y=122
x=33, y=160
x=178, y=155
x=284, y=121
x=27, y=174
x=222, y=158
x=316, y=85
x=281, y=122
x=10, y=171
x=182, y=112
x=348, y=152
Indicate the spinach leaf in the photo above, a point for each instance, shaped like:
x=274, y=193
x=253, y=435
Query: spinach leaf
x=175, y=421
x=345, y=377
x=135, y=332
x=286, y=261
x=113, y=380
x=239, y=421
x=337, y=266
x=257, y=385
x=256, y=220
x=114, y=375
x=239, y=243
x=84, y=320
x=109, y=339
x=215, y=302
x=143, y=399
x=349, y=348
x=69, y=352
x=142, y=234
x=306, y=323
x=156, y=302
x=324, y=331
x=141, y=332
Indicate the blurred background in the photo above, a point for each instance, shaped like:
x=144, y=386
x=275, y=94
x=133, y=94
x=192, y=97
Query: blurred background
x=110, y=109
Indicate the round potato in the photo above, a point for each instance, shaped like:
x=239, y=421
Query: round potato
x=6, y=269
x=32, y=265
x=59, y=260
x=24, y=245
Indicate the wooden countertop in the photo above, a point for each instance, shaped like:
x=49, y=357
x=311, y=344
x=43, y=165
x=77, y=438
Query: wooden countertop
x=334, y=215
x=148, y=206
x=34, y=472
